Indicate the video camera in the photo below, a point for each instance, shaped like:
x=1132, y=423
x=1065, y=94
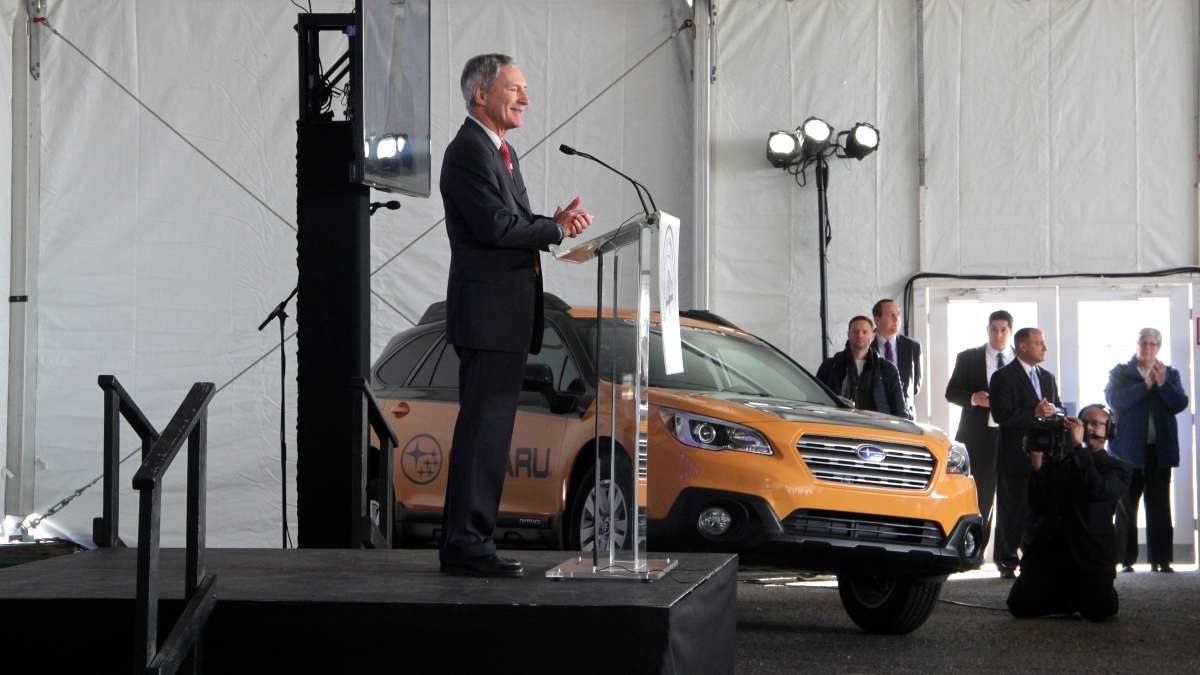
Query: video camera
x=1049, y=435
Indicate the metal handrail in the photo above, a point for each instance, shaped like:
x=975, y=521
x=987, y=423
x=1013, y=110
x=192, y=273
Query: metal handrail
x=371, y=485
x=190, y=424
x=117, y=403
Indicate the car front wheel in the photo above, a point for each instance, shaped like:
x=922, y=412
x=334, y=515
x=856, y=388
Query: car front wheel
x=888, y=605
x=593, y=517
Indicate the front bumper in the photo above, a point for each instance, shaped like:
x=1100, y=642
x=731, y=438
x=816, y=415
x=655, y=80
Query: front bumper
x=822, y=541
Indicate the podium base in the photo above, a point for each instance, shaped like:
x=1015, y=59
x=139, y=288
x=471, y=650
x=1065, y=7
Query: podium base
x=651, y=569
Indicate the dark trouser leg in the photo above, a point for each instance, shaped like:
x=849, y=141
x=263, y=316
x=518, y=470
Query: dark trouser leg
x=1159, y=531
x=983, y=470
x=1012, y=505
x=1127, y=518
x=489, y=386
x=1097, y=599
x=1038, y=592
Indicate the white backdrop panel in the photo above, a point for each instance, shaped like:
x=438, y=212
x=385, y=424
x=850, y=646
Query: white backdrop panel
x=779, y=63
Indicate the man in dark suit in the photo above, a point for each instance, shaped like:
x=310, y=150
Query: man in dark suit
x=968, y=389
x=861, y=375
x=899, y=350
x=493, y=304
x=1019, y=393
x=1068, y=566
x=1146, y=395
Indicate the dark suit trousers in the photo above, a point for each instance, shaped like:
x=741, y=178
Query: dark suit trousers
x=1038, y=592
x=1155, y=484
x=1012, y=505
x=983, y=470
x=489, y=385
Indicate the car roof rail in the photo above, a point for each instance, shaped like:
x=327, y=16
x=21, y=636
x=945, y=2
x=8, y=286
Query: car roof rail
x=705, y=315
x=437, y=311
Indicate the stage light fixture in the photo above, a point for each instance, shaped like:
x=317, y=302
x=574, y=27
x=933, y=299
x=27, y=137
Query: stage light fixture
x=815, y=135
x=862, y=140
x=782, y=148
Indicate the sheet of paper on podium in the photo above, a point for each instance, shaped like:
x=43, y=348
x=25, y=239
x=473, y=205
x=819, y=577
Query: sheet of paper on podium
x=668, y=291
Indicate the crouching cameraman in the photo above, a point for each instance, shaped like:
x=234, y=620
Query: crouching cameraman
x=1073, y=493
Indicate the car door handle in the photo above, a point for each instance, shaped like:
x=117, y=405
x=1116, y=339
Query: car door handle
x=400, y=410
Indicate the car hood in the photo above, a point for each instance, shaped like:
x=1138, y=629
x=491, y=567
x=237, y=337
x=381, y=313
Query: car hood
x=748, y=409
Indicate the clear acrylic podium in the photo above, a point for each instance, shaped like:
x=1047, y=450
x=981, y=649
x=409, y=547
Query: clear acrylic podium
x=628, y=380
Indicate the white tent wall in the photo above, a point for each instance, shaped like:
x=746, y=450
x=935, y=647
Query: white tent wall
x=8, y=11
x=1061, y=137
x=156, y=268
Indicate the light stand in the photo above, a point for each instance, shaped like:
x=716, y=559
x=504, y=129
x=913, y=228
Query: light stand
x=823, y=238
x=813, y=143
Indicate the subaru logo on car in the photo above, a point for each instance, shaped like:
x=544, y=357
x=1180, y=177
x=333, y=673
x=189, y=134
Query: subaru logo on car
x=870, y=453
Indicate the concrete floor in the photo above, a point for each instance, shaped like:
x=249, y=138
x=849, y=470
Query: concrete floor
x=801, y=627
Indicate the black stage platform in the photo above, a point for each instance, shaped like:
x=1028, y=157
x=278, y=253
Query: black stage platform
x=333, y=610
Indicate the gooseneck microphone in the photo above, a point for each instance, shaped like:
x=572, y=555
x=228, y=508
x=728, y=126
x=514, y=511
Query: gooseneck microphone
x=638, y=187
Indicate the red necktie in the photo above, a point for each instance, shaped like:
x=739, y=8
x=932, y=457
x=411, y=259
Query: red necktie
x=507, y=158
x=537, y=264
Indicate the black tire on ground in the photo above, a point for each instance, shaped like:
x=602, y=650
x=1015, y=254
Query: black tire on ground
x=888, y=605
x=582, y=505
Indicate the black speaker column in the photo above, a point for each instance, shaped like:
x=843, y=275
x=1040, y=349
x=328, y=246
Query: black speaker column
x=333, y=314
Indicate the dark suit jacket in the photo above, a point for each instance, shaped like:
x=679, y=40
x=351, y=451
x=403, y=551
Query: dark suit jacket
x=908, y=362
x=969, y=376
x=1133, y=404
x=878, y=388
x=494, y=293
x=1013, y=400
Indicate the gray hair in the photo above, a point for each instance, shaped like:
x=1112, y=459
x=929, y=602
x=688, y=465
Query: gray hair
x=481, y=71
x=1150, y=332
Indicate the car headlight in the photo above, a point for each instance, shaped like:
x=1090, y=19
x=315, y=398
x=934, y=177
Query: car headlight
x=957, y=459
x=709, y=433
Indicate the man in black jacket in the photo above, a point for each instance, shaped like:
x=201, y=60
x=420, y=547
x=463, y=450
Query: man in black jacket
x=1019, y=393
x=1069, y=565
x=859, y=374
x=493, y=304
x=968, y=389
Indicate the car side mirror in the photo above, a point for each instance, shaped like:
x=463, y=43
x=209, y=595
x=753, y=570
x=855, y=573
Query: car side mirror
x=539, y=378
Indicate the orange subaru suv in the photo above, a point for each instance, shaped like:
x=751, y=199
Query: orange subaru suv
x=748, y=453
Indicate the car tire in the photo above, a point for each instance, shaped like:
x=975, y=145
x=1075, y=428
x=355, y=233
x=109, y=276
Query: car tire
x=888, y=605
x=582, y=511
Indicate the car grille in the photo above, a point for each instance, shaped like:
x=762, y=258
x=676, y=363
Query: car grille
x=907, y=467
x=859, y=527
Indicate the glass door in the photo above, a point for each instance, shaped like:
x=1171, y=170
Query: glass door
x=1103, y=323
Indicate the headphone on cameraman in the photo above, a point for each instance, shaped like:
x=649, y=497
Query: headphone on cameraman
x=1110, y=427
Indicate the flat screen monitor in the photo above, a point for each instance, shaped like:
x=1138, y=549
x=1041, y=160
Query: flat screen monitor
x=395, y=95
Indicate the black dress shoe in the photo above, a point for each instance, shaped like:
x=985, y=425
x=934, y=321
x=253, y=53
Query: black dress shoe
x=484, y=566
x=1165, y=567
x=1008, y=573
x=1125, y=569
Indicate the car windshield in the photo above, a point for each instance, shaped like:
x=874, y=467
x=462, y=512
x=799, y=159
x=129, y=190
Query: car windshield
x=713, y=361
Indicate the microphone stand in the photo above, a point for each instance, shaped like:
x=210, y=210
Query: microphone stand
x=638, y=187
x=280, y=313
